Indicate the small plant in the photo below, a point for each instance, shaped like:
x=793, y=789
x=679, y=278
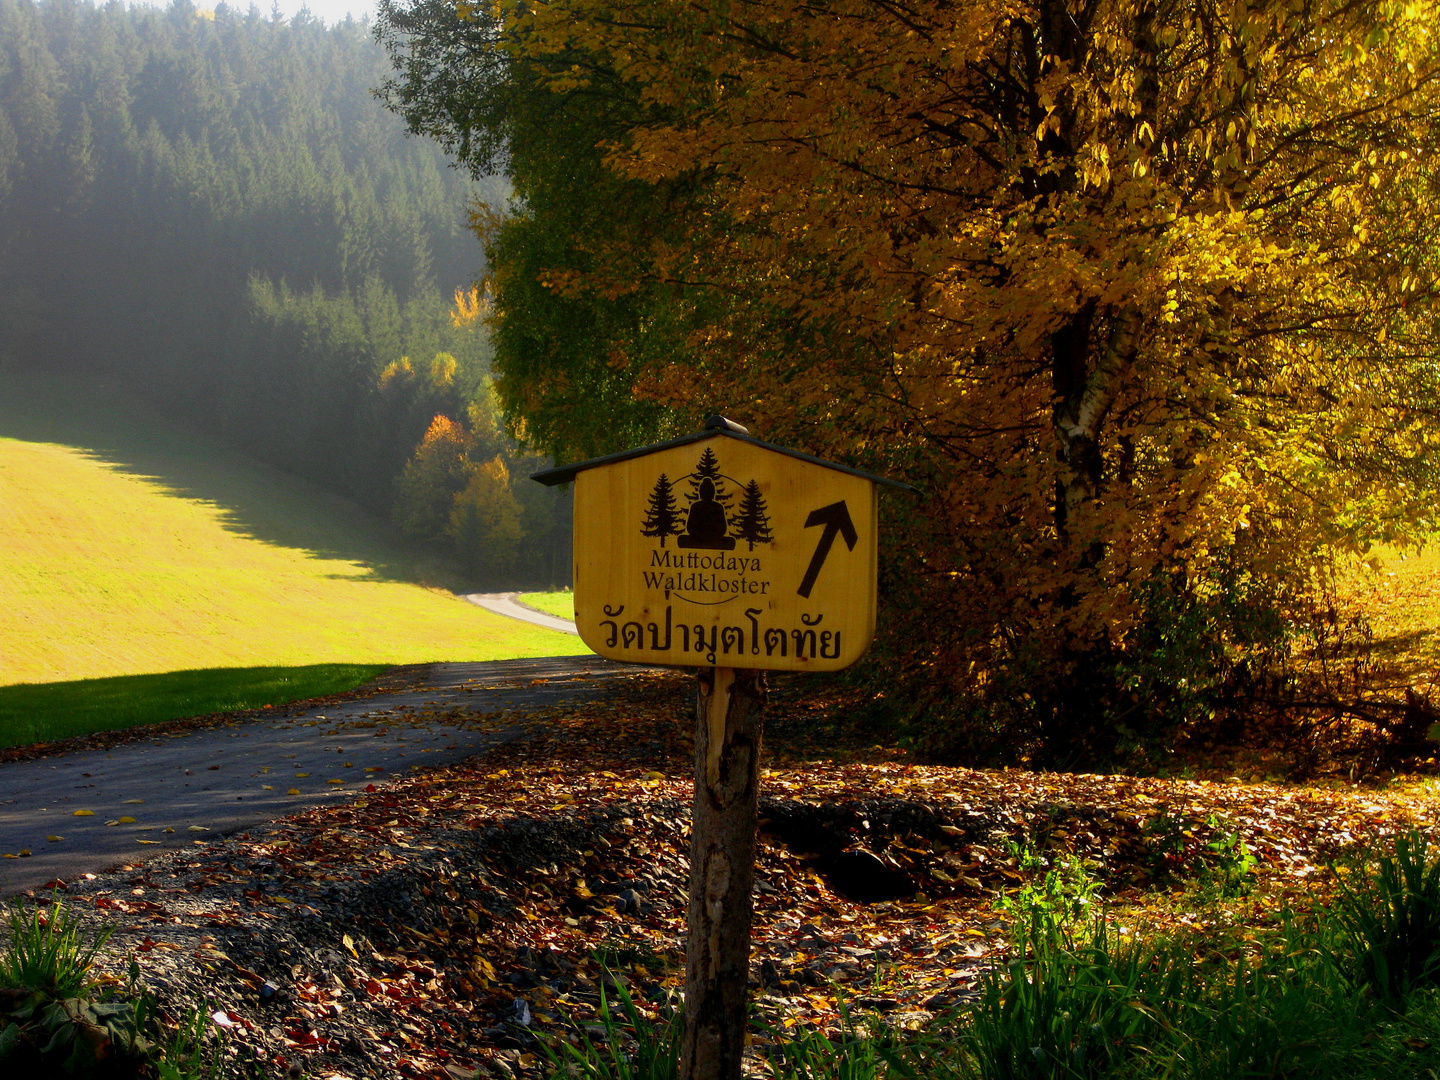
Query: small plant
x=1170, y=842
x=1389, y=911
x=1228, y=866
x=630, y=1045
x=74, y=1037
x=872, y=1051
x=54, y=1021
x=57, y=1021
x=1027, y=859
x=50, y=953
x=192, y=1051
x=1062, y=898
x=616, y=951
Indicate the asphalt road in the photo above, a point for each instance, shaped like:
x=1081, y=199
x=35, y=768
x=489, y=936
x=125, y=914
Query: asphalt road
x=64, y=816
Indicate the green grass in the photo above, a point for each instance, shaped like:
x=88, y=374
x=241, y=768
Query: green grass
x=31, y=713
x=130, y=547
x=559, y=604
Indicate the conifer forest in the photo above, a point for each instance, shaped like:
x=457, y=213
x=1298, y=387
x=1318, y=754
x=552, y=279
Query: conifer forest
x=212, y=209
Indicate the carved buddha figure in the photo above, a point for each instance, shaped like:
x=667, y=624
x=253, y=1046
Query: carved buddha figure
x=706, y=526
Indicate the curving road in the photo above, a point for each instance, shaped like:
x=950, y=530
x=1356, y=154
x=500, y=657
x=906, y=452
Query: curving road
x=508, y=604
x=81, y=812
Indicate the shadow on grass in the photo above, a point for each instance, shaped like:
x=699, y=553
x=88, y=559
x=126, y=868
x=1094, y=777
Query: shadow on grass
x=44, y=712
x=257, y=501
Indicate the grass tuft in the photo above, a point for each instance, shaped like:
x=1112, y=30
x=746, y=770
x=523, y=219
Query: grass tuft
x=1389, y=910
x=625, y=1045
x=49, y=953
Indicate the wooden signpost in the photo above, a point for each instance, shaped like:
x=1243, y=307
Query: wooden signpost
x=722, y=552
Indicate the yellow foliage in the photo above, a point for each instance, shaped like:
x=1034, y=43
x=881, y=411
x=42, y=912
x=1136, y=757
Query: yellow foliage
x=472, y=307
x=1135, y=292
x=442, y=370
x=396, y=370
x=432, y=478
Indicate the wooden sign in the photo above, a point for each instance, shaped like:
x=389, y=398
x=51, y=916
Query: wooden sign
x=719, y=550
x=728, y=554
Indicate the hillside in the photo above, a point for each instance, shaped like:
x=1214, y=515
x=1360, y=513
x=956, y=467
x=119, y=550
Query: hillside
x=129, y=545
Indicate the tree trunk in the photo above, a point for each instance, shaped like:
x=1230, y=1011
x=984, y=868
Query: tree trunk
x=1083, y=396
x=722, y=871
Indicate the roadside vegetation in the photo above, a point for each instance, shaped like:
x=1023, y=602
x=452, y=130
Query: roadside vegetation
x=910, y=919
x=37, y=713
x=59, y=1018
x=1348, y=990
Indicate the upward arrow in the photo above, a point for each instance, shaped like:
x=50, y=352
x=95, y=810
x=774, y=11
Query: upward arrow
x=836, y=519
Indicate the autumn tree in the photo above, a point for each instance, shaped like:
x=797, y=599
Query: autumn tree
x=1139, y=291
x=485, y=521
x=439, y=471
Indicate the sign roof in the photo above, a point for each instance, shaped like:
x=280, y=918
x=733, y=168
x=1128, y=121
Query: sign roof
x=715, y=425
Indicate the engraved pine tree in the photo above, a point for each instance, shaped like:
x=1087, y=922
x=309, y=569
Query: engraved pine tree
x=662, y=515
x=708, y=468
x=752, y=523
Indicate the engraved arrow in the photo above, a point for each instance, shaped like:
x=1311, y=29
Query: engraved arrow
x=836, y=519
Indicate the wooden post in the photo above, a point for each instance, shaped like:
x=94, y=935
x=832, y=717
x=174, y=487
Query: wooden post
x=722, y=871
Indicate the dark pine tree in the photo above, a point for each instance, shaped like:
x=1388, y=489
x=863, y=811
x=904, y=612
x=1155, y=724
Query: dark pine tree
x=752, y=522
x=708, y=468
x=662, y=517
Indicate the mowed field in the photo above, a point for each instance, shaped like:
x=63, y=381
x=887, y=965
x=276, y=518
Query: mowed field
x=129, y=547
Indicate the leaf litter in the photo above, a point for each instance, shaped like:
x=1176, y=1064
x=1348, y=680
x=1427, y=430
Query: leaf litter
x=437, y=923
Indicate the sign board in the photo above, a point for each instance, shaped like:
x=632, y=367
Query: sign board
x=719, y=550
